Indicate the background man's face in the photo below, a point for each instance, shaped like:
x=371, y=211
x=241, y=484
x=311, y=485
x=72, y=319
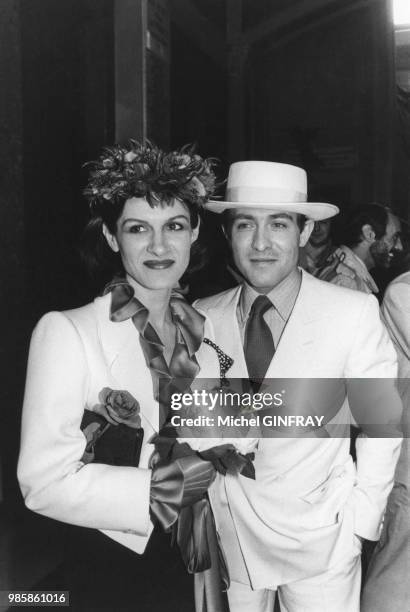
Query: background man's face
x=321, y=233
x=382, y=250
x=265, y=245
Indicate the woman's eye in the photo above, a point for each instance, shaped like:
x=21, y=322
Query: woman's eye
x=136, y=229
x=174, y=226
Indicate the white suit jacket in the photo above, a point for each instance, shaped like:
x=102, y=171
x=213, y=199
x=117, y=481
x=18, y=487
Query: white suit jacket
x=396, y=314
x=73, y=356
x=301, y=514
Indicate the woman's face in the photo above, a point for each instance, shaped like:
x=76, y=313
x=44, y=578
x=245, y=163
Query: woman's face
x=154, y=243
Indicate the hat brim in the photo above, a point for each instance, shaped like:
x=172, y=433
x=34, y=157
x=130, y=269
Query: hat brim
x=317, y=211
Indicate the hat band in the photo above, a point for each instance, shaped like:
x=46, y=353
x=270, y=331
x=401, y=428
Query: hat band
x=264, y=195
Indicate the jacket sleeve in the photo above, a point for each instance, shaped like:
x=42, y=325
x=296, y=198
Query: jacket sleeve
x=53, y=480
x=373, y=357
x=396, y=310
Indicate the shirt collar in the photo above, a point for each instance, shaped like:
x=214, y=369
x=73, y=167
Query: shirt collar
x=283, y=296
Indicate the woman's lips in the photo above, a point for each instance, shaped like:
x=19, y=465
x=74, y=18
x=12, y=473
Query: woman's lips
x=263, y=260
x=158, y=264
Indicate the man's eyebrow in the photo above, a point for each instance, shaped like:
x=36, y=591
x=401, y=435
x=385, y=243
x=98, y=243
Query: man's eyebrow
x=272, y=216
x=243, y=216
x=249, y=217
x=281, y=216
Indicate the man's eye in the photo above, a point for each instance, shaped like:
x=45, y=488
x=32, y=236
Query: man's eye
x=136, y=229
x=243, y=225
x=279, y=225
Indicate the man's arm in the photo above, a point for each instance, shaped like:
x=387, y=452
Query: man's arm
x=373, y=357
x=396, y=311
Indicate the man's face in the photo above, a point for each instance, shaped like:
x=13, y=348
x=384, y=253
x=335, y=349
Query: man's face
x=320, y=234
x=382, y=250
x=265, y=245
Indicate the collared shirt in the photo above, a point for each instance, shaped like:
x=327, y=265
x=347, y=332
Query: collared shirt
x=363, y=281
x=283, y=298
x=315, y=265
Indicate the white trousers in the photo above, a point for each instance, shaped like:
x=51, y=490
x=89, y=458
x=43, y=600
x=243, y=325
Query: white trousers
x=337, y=590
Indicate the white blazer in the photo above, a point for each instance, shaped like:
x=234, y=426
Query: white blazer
x=73, y=356
x=301, y=514
x=396, y=314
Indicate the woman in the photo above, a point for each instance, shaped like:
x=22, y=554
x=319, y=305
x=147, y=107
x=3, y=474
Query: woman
x=145, y=213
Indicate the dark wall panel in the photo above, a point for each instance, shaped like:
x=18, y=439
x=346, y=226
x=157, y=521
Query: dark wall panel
x=68, y=115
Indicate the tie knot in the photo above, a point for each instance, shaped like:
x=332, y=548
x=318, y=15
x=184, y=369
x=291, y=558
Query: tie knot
x=261, y=305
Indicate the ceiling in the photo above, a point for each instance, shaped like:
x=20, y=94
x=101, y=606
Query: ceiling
x=257, y=12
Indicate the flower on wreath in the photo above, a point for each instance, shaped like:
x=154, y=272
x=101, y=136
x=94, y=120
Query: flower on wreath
x=144, y=170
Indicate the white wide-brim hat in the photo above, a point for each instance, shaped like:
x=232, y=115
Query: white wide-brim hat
x=273, y=186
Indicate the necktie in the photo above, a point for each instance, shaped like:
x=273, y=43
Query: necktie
x=259, y=345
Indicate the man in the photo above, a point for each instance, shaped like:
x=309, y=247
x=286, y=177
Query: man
x=318, y=249
x=387, y=586
x=297, y=528
x=371, y=237
x=324, y=259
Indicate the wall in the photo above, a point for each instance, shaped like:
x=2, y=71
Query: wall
x=56, y=111
x=315, y=98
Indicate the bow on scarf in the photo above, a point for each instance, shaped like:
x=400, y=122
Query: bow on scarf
x=195, y=532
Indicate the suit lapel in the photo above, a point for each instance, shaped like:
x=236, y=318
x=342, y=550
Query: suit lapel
x=296, y=340
x=298, y=335
x=227, y=334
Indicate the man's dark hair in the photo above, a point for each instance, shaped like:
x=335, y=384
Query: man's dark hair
x=374, y=215
x=227, y=219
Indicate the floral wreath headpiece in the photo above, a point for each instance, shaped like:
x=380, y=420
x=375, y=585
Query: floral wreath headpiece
x=144, y=170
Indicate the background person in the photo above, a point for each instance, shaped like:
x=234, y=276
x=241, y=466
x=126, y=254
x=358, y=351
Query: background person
x=318, y=248
x=324, y=259
x=371, y=236
x=387, y=586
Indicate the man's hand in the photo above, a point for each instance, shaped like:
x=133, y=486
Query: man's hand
x=226, y=459
x=221, y=457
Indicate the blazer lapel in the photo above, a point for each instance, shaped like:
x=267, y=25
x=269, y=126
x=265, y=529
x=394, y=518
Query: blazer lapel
x=126, y=363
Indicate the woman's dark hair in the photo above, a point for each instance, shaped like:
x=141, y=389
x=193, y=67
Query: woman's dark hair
x=374, y=215
x=141, y=170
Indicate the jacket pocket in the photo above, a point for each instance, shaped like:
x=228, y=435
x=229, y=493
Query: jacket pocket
x=340, y=480
x=326, y=501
